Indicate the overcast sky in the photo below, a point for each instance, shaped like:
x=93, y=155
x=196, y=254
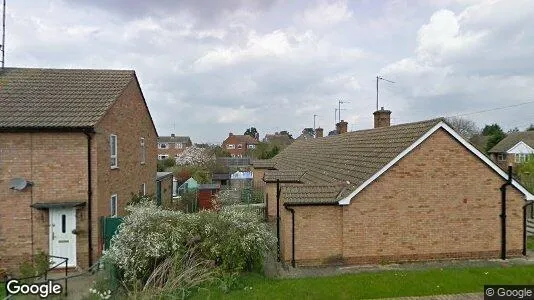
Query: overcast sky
x=212, y=67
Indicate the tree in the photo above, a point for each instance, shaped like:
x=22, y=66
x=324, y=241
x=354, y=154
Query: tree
x=165, y=164
x=285, y=132
x=309, y=131
x=492, y=129
x=464, y=127
x=218, y=151
x=513, y=130
x=531, y=127
x=252, y=132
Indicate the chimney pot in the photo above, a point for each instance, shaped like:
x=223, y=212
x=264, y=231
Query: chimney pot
x=230, y=134
x=382, y=118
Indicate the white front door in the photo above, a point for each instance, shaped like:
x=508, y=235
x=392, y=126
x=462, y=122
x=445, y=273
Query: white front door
x=62, y=238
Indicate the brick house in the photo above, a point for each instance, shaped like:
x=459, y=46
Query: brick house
x=515, y=148
x=239, y=145
x=172, y=146
x=81, y=142
x=408, y=192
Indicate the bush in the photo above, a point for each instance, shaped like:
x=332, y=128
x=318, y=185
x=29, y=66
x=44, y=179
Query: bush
x=233, y=239
x=36, y=266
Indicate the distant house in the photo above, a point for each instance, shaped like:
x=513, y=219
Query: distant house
x=409, y=192
x=516, y=148
x=239, y=145
x=172, y=146
x=74, y=146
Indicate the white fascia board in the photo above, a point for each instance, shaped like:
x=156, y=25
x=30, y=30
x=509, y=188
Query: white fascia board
x=491, y=164
x=522, y=147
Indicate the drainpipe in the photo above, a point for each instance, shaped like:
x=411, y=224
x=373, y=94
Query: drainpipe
x=278, y=217
x=89, y=199
x=503, y=213
x=531, y=204
x=292, y=234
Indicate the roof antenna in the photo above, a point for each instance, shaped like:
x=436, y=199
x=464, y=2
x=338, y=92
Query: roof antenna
x=339, y=102
x=377, y=79
x=3, y=46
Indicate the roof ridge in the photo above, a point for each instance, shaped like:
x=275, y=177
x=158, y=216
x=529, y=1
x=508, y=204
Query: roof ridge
x=69, y=69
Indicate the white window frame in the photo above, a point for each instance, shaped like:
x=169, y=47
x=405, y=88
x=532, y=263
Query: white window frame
x=143, y=189
x=252, y=146
x=230, y=146
x=143, y=151
x=113, y=153
x=160, y=145
x=163, y=156
x=520, y=158
x=501, y=157
x=239, y=146
x=113, y=205
x=179, y=146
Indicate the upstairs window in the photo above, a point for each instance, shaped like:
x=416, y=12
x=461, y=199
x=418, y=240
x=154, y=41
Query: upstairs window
x=230, y=146
x=521, y=157
x=163, y=156
x=251, y=146
x=501, y=157
x=163, y=145
x=143, y=151
x=113, y=151
x=179, y=145
x=239, y=146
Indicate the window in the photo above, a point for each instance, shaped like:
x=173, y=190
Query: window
x=239, y=146
x=142, y=190
x=501, y=157
x=63, y=223
x=113, y=205
x=143, y=151
x=521, y=157
x=230, y=146
x=251, y=146
x=163, y=145
x=179, y=145
x=113, y=151
x=163, y=156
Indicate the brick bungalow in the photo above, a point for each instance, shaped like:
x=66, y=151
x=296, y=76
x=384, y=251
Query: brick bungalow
x=515, y=148
x=408, y=192
x=80, y=142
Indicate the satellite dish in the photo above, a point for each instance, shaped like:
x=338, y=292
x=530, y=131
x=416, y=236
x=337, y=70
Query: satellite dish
x=18, y=184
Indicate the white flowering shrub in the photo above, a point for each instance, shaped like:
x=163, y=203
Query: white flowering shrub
x=233, y=238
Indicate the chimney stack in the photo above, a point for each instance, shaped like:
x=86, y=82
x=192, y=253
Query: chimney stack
x=172, y=135
x=230, y=134
x=382, y=118
x=318, y=132
x=341, y=127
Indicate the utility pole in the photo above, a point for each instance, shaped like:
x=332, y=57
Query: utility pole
x=339, y=108
x=314, y=121
x=377, y=79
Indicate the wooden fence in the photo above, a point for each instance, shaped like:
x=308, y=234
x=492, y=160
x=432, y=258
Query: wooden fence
x=530, y=227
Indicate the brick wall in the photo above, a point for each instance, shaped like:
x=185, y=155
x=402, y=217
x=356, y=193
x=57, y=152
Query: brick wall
x=440, y=201
x=56, y=163
x=129, y=119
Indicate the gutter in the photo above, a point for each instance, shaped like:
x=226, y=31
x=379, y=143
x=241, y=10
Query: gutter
x=503, y=213
x=89, y=196
x=531, y=204
x=288, y=206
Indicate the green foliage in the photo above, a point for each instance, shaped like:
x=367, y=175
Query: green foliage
x=265, y=150
x=531, y=127
x=525, y=172
x=39, y=265
x=138, y=198
x=165, y=164
x=309, y=131
x=233, y=239
x=219, y=151
x=285, y=132
x=189, y=201
x=202, y=176
x=251, y=132
x=492, y=129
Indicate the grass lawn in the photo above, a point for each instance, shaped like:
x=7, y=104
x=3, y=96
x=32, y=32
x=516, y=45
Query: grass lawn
x=377, y=285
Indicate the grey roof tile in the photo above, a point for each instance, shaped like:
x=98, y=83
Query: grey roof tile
x=512, y=139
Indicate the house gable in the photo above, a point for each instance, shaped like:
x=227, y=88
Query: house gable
x=441, y=125
x=521, y=148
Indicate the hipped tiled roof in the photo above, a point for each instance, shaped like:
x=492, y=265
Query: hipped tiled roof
x=283, y=175
x=50, y=98
x=263, y=164
x=351, y=158
x=512, y=139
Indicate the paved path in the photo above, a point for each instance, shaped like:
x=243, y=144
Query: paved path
x=471, y=296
